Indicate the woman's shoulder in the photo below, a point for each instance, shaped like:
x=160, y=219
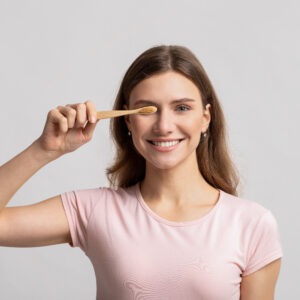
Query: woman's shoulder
x=101, y=194
x=248, y=219
x=242, y=207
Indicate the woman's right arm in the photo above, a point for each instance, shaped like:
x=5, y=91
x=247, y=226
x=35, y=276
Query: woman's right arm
x=45, y=223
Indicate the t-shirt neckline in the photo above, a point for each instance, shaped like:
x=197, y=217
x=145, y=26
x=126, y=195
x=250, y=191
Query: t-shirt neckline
x=160, y=219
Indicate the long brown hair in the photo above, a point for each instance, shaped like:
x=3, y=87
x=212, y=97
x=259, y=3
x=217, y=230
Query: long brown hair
x=213, y=157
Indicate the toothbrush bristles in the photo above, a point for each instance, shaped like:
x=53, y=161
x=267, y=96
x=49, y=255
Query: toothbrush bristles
x=148, y=110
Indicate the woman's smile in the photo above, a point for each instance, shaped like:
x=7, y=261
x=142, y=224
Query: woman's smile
x=165, y=145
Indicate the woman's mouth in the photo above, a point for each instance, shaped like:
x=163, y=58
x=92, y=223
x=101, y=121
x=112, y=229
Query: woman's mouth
x=167, y=145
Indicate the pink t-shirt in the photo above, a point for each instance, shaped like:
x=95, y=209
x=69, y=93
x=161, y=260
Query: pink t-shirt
x=139, y=255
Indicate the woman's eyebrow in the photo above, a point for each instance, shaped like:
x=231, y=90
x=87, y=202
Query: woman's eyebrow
x=183, y=100
x=150, y=102
x=144, y=102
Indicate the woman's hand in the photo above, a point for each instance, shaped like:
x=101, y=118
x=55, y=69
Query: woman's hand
x=67, y=128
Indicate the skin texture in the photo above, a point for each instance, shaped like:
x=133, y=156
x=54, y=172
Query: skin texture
x=166, y=188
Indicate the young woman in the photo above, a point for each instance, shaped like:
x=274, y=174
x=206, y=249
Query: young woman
x=172, y=227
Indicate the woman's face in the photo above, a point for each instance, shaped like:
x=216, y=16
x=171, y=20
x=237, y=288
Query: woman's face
x=170, y=136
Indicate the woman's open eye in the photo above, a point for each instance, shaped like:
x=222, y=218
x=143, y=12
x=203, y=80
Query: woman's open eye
x=182, y=107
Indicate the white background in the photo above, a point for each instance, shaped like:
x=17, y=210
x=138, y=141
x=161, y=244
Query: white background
x=59, y=52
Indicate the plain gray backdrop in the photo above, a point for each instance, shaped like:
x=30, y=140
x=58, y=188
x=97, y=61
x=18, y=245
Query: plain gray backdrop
x=60, y=52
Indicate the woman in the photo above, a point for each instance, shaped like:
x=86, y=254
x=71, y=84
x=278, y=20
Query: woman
x=174, y=227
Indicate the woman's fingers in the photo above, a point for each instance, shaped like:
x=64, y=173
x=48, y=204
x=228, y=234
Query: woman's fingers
x=91, y=111
x=92, y=120
x=69, y=114
x=78, y=115
x=56, y=118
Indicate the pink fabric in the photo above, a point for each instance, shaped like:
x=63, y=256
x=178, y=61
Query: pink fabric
x=138, y=255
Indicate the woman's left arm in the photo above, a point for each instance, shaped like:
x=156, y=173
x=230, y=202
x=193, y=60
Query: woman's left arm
x=260, y=285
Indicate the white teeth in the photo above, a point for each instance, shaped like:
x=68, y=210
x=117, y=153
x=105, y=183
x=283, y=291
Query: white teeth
x=165, y=144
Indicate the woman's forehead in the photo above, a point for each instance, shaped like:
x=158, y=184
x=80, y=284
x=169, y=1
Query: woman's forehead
x=171, y=86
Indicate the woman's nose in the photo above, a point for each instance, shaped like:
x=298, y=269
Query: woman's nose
x=164, y=123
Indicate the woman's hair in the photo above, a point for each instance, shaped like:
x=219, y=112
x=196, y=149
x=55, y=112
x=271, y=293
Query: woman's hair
x=213, y=157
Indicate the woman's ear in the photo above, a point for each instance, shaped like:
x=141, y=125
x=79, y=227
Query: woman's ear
x=206, y=117
x=126, y=118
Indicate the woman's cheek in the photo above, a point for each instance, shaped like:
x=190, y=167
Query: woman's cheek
x=141, y=124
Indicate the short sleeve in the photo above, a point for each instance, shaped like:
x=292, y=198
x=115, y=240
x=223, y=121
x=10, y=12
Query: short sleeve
x=265, y=245
x=78, y=207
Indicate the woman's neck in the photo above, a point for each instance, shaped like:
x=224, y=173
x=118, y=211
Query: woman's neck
x=178, y=186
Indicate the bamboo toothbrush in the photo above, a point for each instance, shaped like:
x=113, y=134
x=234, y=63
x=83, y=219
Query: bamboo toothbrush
x=117, y=113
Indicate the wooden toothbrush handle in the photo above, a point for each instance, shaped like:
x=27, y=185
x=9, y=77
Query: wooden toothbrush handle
x=114, y=113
